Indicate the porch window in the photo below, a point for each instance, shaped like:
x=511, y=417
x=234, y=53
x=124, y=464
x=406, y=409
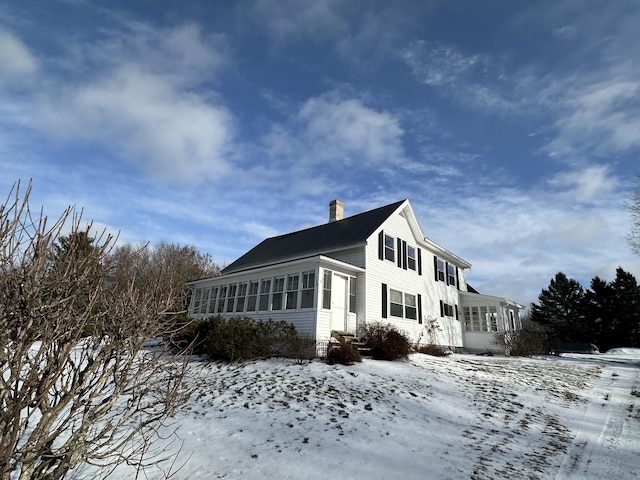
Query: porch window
x=308, y=289
x=396, y=308
x=410, y=310
x=253, y=296
x=467, y=319
x=411, y=257
x=493, y=319
x=211, y=304
x=292, y=291
x=278, y=289
x=352, y=295
x=326, y=290
x=265, y=289
x=205, y=299
x=197, y=298
x=221, y=299
x=242, y=296
x=389, y=247
x=231, y=297
x=484, y=319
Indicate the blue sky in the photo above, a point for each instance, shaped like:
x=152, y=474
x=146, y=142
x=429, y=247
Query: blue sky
x=512, y=127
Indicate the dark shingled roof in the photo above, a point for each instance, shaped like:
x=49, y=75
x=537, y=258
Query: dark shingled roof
x=315, y=240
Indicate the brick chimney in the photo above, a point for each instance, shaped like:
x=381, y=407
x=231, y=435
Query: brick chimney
x=336, y=210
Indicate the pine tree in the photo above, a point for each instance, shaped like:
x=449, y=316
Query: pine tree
x=561, y=308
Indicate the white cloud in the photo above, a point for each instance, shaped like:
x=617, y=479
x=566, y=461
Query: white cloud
x=15, y=58
x=330, y=130
x=586, y=184
x=347, y=128
x=136, y=94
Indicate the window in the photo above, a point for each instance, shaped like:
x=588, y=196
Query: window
x=197, y=299
x=451, y=274
x=484, y=319
x=467, y=319
x=308, y=289
x=211, y=305
x=205, y=300
x=446, y=310
x=512, y=320
x=352, y=295
x=410, y=310
x=231, y=297
x=439, y=264
x=292, y=291
x=396, y=307
x=411, y=257
x=221, y=299
x=493, y=319
x=278, y=288
x=389, y=248
x=242, y=295
x=253, y=296
x=265, y=289
x=326, y=289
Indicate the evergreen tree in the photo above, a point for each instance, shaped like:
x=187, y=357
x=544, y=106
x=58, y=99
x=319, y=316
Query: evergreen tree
x=598, y=307
x=625, y=317
x=561, y=308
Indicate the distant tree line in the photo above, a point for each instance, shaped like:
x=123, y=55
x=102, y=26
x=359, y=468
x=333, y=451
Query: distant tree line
x=606, y=314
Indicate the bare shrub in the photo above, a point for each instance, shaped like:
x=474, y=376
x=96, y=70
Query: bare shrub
x=532, y=339
x=343, y=353
x=386, y=341
x=80, y=381
x=301, y=348
x=433, y=350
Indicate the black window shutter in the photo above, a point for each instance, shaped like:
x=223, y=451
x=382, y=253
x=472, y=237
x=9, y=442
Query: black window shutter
x=435, y=266
x=457, y=279
x=381, y=245
x=457, y=313
x=399, y=252
x=446, y=272
x=419, y=262
x=404, y=254
x=441, y=308
x=419, y=308
x=384, y=300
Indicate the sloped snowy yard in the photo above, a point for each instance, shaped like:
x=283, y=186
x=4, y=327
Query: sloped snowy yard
x=458, y=417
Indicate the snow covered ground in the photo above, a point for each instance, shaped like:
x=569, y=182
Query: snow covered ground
x=459, y=417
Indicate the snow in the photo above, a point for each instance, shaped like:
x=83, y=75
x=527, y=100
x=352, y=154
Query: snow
x=462, y=416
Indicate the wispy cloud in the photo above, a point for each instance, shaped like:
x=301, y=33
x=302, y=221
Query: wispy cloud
x=18, y=64
x=135, y=94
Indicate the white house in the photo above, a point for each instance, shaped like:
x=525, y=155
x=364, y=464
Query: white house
x=376, y=266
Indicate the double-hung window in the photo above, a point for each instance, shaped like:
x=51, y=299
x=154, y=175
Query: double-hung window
x=253, y=296
x=326, y=289
x=242, y=295
x=451, y=275
x=308, y=289
x=292, y=292
x=389, y=247
x=352, y=294
x=411, y=257
x=278, y=289
x=410, y=309
x=221, y=299
x=396, y=307
x=265, y=289
x=440, y=270
x=231, y=297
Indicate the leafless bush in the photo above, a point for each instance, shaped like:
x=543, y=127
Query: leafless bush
x=343, y=353
x=530, y=340
x=80, y=382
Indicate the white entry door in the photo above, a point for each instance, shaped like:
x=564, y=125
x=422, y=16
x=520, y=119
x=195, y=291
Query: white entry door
x=338, y=303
